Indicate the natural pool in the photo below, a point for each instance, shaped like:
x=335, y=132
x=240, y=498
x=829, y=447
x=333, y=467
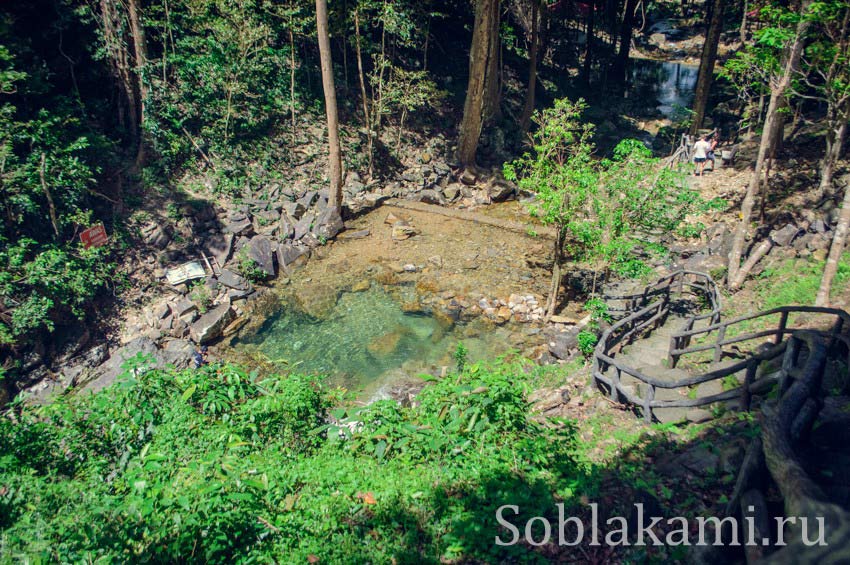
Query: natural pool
x=368, y=342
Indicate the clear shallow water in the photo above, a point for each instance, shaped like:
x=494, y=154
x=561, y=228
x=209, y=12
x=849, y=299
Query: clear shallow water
x=368, y=341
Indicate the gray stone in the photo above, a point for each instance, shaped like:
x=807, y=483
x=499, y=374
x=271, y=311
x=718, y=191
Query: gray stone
x=698, y=415
x=220, y=246
x=317, y=300
x=818, y=226
x=563, y=344
x=231, y=280
x=239, y=227
x=162, y=311
x=294, y=209
x=289, y=255
x=785, y=236
x=359, y=234
x=158, y=237
x=260, y=251
x=302, y=227
x=307, y=200
x=183, y=306
x=210, y=325
x=452, y=191
x=177, y=352
x=500, y=190
x=431, y=196
x=328, y=224
x=286, y=227
x=107, y=373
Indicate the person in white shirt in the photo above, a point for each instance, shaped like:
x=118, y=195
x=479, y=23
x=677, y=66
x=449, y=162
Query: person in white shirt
x=701, y=149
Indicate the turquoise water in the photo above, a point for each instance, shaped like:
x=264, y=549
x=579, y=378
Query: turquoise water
x=368, y=340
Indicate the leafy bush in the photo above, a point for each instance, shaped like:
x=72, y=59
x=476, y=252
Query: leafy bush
x=587, y=341
x=216, y=465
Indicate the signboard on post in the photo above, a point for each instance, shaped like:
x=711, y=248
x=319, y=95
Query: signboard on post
x=94, y=236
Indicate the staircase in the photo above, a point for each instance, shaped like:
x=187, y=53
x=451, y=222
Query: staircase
x=646, y=359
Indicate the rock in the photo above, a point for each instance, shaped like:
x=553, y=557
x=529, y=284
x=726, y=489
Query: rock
x=361, y=286
x=107, y=373
x=328, y=224
x=563, y=344
x=286, y=227
x=177, y=352
x=563, y=320
x=210, y=325
x=240, y=227
x=431, y=196
x=452, y=191
x=158, y=237
x=234, y=327
x=231, y=280
x=467, y=177
x=359, y=234
x=500, y=190
x=260, y=251
x=425, y=157
x=183, y=306
x=302, y=227
x=220, y=247
x=401, y=231
x=785, y=236
x=387, y=343
x=436, y=260
x=819, y=254
x=397, y=268
x=546, y=401
x=289, y=255
x=317, y=300
x=294, y=210
x=818, y=226
x=392, y=219
x=307, y=200
x=719, y=239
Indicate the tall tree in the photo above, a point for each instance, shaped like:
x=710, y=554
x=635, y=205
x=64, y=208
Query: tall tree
x=779, y=85
x=479, y=55
x=140, y=49
x=835, y=251
x=626, y=28
x=706, y=65
x=334, y=155
x=588, y=42
x=528, y=108
x=493, y=80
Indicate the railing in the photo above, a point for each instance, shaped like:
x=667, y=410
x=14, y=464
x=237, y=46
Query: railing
x=649, y=315
x=679, y=341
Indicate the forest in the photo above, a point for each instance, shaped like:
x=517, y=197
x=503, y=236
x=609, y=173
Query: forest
x=337, y=282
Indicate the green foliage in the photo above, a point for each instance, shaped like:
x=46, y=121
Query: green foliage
x=217, y=465
x=587, y=341
x=248, y=268
x=796, y=281
x=200, y=294
x=599, y=206
x=460, y=356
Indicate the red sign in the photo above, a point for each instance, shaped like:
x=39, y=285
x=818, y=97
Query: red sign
x=95, y=236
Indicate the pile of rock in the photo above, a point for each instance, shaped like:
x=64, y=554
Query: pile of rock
x=517, y=307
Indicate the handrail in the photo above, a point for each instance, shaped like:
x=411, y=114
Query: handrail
x=646, y=314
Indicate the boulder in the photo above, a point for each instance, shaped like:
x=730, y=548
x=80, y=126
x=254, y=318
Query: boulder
x=302, y=227
x=328, y=224
x=260, y=251
x=402, y=231
x=563, y=344
x=210, y=325
x=452, y=191
x=500, y=190
x=107, y=373
x=177, y=352
x=240, y=227
x=784, y=236
x=289, y=255
x=359, y=234
x=220, y=246
x=158, y=236
x=231, y=280
x=183, y=306
x=294, y=209
x=286, y=228
x=307, y=200
x=431, y=196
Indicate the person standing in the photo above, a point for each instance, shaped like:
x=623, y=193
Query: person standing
x=701, y=149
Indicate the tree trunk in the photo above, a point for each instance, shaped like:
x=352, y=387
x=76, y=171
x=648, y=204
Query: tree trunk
x=834, y=143
x=552, y=301
x=777, y=93
x=51, y=207
x=493, y=83
x=363, y=96
x=112, y=27
x=479, y=53
x=743, y=30
x=706, y=65
x=622, y=59
x=588, y=44
x=335, y=158
x=140, y=48
x=835, y=251
x=528, y=109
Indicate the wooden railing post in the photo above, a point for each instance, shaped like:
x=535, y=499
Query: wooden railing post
x=783, y=322
x=749, y=378
x=647, y=403
x=718, y=347
x=615, y=385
